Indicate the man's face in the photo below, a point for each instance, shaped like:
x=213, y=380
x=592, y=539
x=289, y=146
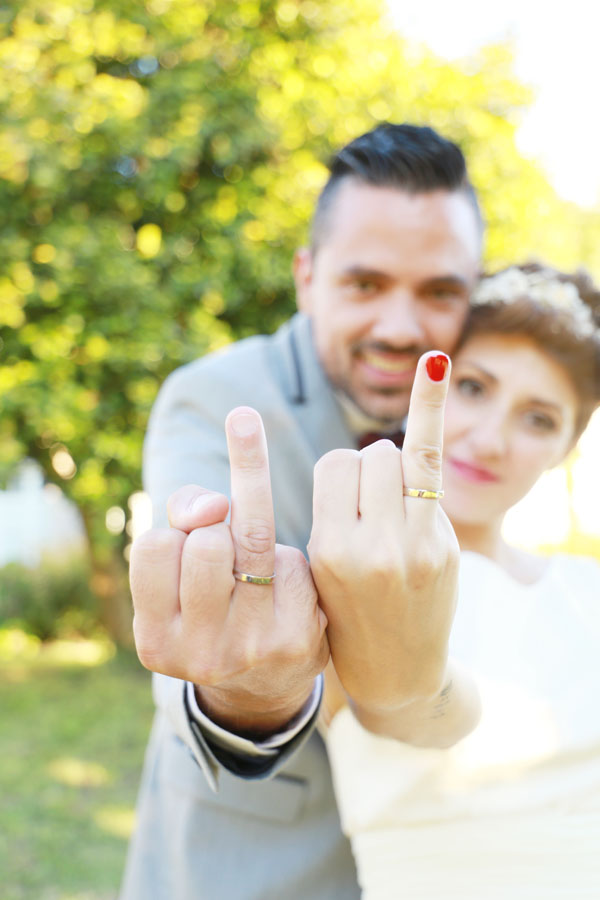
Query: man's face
x=390, y=280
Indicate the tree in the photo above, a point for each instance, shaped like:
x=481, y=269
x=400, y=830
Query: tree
x=158, y=164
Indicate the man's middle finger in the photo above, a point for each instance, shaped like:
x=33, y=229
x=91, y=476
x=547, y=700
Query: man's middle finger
x=252, y=520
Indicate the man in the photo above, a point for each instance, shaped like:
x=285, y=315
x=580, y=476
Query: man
x=250, y=812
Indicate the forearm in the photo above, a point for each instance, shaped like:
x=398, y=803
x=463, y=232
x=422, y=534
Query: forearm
x=439, y=721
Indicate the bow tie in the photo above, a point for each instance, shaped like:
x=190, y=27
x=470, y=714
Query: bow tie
x=369, y=437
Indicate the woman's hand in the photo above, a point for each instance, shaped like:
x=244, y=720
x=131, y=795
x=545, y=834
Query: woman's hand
x=386, y=564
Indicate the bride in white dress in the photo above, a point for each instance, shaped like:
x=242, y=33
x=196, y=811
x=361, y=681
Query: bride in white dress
x=512, y=810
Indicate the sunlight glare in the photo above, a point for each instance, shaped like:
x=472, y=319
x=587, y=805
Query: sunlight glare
x=78, y=772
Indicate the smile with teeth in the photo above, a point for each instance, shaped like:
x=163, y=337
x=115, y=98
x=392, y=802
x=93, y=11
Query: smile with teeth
x=386, y=363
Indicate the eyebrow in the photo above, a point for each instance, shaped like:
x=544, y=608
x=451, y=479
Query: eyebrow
x=453, y=280
x=547, y=404
x=368, y=272
x=363, y=272
x=480, y=369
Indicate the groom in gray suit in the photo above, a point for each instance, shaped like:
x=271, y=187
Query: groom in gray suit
x=236, y=800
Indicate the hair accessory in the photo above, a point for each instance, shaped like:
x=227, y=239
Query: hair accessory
x=542, y=286
x=423, y=494
x=253, y=579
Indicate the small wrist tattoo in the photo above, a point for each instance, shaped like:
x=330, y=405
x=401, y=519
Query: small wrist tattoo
x=442, y=701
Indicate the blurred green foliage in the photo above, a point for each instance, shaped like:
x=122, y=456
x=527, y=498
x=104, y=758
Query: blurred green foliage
x=50, y=600
x=159, y=162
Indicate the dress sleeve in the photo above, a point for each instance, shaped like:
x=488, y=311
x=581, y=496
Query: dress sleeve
x=373, y=775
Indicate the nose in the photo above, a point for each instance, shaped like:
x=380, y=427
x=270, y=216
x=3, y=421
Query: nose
x=489, y=434
x=397, y=321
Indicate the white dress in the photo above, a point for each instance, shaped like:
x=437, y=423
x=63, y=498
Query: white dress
x=513, y=810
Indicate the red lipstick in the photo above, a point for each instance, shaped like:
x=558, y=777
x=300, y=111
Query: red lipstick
x=471, y=472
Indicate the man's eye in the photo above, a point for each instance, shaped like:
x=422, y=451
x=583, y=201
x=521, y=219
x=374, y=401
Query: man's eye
x=364, y=286
x=470, y=387
x=444, y=293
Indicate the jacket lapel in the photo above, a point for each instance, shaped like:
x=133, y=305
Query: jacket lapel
x=309, y=391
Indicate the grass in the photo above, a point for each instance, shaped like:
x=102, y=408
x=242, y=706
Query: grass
x=74, y=717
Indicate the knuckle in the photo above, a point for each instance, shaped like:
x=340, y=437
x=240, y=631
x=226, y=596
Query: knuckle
x=299, y=585
x=422, y=568
x=326, y=556
x=335, y=458
x=211, y=544
x=453, y=557
x=201, y=659
x=252, y=461
x=384, y=562
x=323, y=655
x=297, y=649
x=157, y=544
x=255, y=538
x=291, y=565
x=253, y=653
x=301, y=656
x=150, y=649
x=448, y=543
x=290, y=557
x=429, y=458
x=434, y=402
x=149, y=660
x=383, y=447
x=206, y=675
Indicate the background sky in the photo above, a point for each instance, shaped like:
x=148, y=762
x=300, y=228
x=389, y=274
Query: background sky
x=556, y=53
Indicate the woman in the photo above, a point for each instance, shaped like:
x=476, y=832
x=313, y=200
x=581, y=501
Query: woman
x=513, y=810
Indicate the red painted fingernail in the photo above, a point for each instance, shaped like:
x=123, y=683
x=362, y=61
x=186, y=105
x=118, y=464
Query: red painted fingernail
x=437, y=366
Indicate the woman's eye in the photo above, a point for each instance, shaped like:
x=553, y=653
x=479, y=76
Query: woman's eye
x=470, y=387
x=540, y=422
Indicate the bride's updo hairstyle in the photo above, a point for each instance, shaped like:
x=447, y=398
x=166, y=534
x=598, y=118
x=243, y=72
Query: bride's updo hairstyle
x=558, y=311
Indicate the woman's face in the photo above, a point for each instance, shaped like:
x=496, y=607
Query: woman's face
x=510, y=415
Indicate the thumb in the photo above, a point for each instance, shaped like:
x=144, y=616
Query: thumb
x=193, y=507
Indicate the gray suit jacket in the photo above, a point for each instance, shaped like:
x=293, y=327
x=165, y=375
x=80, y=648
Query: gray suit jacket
x=203, y=832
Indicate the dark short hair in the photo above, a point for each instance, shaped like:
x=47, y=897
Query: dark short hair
x=551, y=327
x=412, y=158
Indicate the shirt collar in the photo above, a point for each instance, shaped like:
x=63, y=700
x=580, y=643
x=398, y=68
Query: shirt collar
x=359, y=422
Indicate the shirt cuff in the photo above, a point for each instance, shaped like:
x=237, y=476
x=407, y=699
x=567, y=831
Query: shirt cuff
x=244, y=746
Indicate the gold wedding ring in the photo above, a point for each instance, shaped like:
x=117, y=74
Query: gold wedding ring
x=422, y=494
x=253, y=579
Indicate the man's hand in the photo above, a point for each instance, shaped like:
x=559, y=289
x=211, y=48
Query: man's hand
x=385, y=564
x=253, y=651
